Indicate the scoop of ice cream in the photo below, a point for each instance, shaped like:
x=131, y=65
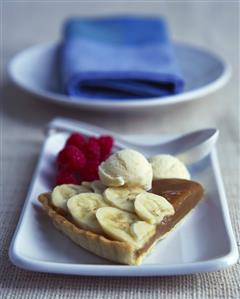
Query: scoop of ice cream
x=167, y=166
x=126, y=168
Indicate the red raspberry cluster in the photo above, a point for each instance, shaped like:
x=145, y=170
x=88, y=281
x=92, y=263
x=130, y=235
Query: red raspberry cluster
x=79, y=159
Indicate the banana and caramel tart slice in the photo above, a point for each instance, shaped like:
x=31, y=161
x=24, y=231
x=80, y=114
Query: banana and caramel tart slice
x=121, y=224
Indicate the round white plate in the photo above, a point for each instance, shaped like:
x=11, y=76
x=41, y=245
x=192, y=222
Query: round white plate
x=36, y=71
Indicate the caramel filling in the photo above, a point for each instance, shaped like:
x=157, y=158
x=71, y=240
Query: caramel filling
x=183, y=195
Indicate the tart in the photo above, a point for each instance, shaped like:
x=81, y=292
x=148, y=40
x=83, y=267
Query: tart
x=124, y=234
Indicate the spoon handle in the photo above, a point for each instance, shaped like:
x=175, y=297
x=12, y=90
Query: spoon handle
x=189, y=148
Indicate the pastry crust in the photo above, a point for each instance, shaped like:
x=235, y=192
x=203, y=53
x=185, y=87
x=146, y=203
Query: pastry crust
x=182, y=194
x=116, y=251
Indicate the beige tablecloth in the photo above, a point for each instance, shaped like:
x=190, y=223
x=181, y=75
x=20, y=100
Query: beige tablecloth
x=214, y=25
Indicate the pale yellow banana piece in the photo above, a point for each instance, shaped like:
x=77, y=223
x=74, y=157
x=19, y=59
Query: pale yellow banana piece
x=87, y=184
x=98, y=187
x=152, y=208
x=122, y=197
x=141, y=230
x=123, y=226
x=83, y=209
x=62, y=193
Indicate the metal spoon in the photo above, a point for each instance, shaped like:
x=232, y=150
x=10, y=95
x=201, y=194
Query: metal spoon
x=189, y=148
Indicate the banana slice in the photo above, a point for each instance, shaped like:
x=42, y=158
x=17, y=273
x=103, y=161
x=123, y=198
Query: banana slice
x=122, y=197
x=98, y=187
x=124, y=226
x=83, y=209
x=152, y=208
x=86, y=184
x=141, y=229
x=62, y=193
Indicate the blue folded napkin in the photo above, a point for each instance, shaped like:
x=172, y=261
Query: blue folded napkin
x=119, y=58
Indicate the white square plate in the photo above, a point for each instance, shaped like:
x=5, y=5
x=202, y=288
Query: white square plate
x=203, y=242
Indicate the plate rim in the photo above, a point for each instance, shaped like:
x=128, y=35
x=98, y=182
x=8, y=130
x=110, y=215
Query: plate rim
x=210, y=265
x=120, y=104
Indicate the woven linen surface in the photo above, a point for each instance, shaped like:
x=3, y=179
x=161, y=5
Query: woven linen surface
x=23, y=118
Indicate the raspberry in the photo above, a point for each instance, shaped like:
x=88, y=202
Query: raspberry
x=106, y=144
x=71, y=158
x=66, y=178
x=77, y=162
x=79, y=159
x=90, y=172
x=92, y=149
x=61, y=157
x=77, y=140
